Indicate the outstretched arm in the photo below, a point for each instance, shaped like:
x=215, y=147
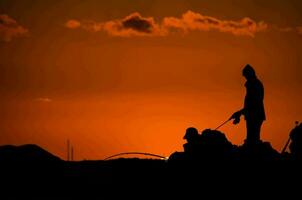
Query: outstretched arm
x=236, y=116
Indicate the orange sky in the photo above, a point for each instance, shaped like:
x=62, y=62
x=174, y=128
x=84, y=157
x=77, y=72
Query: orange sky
x=133, y=75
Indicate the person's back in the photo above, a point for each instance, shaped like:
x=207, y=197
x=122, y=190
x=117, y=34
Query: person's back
x=253, y=103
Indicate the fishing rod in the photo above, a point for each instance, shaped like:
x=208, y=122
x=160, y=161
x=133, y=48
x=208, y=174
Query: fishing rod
x=137, y=153
x=236, y=121
x=286, y=145
x=221, y=125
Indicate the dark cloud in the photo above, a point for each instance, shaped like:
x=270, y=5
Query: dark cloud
x=138, y=23
x=133, y=25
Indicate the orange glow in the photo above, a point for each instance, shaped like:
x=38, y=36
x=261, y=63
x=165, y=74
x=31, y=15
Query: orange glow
x=110, y=94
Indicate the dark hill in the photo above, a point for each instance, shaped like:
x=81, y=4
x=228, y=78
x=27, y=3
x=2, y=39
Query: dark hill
x=26, y=153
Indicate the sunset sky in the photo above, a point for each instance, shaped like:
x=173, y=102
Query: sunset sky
x=131, y=75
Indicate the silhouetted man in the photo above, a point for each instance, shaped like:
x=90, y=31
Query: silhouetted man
x=253, y=110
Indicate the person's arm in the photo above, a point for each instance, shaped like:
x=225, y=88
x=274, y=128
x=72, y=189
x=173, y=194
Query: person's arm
x=238, y=114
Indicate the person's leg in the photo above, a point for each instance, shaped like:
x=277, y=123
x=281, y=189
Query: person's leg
x=257, y=130
x=249, y=132
x=253, y=128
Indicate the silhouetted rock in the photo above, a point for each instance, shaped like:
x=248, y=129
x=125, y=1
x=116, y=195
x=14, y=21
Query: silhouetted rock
x=213, y=145
x=210, y=145
x=260, y=151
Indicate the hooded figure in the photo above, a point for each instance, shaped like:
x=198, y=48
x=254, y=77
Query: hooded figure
x=253, y=109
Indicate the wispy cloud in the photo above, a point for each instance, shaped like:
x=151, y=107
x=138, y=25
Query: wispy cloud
x=285, y=29
x=191, y=21
x=43, y=99
x=136, y=25
x=288, y=29
x=299, y=29
x=9, y=28
x=73, y=24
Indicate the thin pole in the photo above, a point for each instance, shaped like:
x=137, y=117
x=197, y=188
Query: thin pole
x=68, y=149
x=71, y=153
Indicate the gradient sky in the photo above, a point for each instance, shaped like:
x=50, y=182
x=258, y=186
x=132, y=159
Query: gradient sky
x=132, y=75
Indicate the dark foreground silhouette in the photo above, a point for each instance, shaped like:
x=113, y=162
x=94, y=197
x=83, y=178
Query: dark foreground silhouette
x=212, y=145
x=253, y=110
x=209, y=164
x=209, y=161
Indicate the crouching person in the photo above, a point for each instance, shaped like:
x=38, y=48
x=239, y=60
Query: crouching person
x=191, y=147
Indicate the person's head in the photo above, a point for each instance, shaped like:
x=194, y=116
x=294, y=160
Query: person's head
x=191, y=134
x=248, y=72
